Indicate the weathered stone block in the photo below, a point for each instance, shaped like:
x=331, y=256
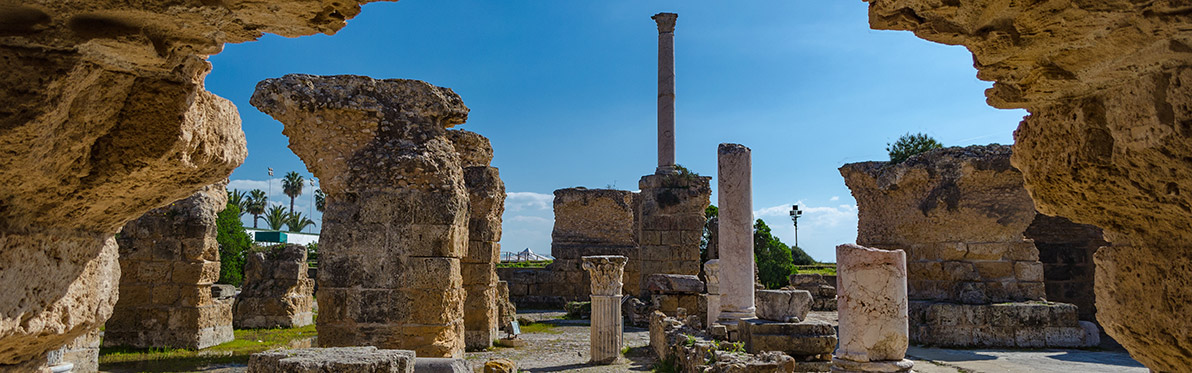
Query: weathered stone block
x=807, y=339
x=339, y=359
x=276, y=292
x=673, y=284
x=783, y=305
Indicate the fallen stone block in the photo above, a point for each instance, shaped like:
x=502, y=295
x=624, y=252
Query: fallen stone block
x=441, y=365
x=814, y=340
x=335, y=359
x=783, y=305
x=674, y=284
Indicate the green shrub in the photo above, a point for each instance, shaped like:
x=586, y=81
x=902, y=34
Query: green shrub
x=909, y=145
x=773, y=257
x=233, y=243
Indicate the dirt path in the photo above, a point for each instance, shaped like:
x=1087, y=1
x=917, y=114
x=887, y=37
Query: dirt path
x=564, y=348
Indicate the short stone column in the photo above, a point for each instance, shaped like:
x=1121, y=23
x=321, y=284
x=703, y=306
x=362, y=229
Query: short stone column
x=712, y=281
x=872, y=303
x=735, y=233
x=666, y=91
x=606, y=272
x=395, y=226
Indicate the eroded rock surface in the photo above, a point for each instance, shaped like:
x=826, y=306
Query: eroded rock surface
x=1109, y=89
x=396, y=221
x=105, y=118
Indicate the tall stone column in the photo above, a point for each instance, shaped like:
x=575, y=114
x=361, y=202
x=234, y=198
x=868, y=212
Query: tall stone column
x=606, y=272
x=486, y=193
x=396, y=220
x=666, y=91
x=872, y=302
x=712, y=281
x=169, y=260
x=735, y=193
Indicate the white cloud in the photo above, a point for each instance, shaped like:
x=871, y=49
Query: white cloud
x=834, y=199
x=519, y=201
x=531, y=220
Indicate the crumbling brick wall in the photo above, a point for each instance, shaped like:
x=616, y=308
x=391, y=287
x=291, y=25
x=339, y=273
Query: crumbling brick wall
x=276, y=292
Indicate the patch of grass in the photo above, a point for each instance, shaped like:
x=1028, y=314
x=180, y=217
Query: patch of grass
x=641, y=351
x=538, y=327
x=246, y=343
x=816, y=269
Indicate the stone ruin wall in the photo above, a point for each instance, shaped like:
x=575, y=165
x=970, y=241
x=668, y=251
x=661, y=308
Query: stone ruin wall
x=395, y=227
x=168, y=261
x=659, y=230
x=486, y=194
x=1109, y=89
x=960, y=214
x=589, y=222
x=1066, y=250
x=671, y=224
x=106, y=119
x=276, y=292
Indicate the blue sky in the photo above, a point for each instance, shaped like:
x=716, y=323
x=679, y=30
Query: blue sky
x=566, y=91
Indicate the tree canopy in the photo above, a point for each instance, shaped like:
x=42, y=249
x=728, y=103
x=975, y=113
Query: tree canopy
x=233, y=243
x=909, y=145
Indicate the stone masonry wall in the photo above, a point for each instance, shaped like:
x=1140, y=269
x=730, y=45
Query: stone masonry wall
x=1066, y=250
x=395, y=226
x=276, y=292
x=486, y=194
x=169, y=259
x=671, y=225
x=959, y=213
x=590, y=222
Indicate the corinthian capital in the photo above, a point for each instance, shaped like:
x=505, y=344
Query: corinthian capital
x=605, y=271
x=666, y=22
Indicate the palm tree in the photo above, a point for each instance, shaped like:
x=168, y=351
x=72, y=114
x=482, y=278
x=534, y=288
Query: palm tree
x=292, y=186
x=240, y=200
x=320, y=199
x=276, y=217
x=257, y=200
x=296, y=222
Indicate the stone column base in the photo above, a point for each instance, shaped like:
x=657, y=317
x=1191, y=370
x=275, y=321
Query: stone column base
x=849, y=366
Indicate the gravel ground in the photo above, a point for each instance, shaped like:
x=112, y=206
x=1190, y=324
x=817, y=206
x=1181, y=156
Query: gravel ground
x=565, y=348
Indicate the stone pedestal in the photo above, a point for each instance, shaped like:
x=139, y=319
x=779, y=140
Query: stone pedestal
x=712, y=277
x=395, y=226
x=486, y=193
x=169, y=260
x=735, y=194
x=873, y=310
x=666, y=91
x=276, y=292
x=606, y=272
x=336, y=359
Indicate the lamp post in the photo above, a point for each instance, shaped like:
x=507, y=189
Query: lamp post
x=795, y=214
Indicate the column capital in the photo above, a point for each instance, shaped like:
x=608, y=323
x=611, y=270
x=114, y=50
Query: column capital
x=666, y=22
x=606, y=272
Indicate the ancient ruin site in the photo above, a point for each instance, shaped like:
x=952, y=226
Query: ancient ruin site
x=984, y=186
